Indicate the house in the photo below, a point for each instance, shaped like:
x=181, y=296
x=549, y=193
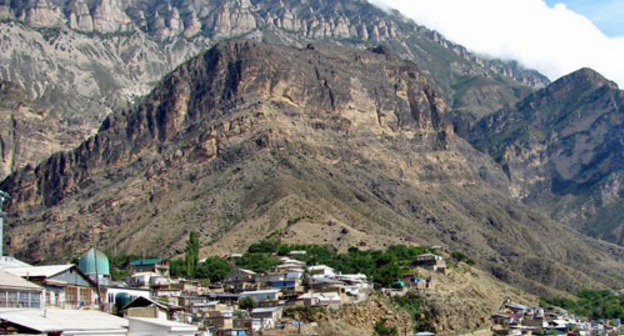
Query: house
x=418, y=282
x=66, y=322
x=321, y=271
x=146, y=307
x=260, y=296
x=17, y=292
x=312, y=299
x=431, y=262
x=141, y=326
x=204, y=307
x=141, y=279
x=242, y=280
x=269, y=315
x=221, y=319
x=324, y=284
x=120, y=296
x=66, y=285
x=159, y=266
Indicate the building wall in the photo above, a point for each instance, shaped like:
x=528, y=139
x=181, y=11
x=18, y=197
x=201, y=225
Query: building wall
x=140, y=328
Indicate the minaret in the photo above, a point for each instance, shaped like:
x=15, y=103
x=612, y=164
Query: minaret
x=4, y=196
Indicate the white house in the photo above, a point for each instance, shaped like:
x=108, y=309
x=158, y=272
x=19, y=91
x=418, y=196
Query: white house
x=142, y=326
x=321, y=271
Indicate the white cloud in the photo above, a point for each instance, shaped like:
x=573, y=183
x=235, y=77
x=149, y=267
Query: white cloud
x=553, y=40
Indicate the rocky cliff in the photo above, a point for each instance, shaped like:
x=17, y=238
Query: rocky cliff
x=562, y=149
x=82, y=59
x=323, y=144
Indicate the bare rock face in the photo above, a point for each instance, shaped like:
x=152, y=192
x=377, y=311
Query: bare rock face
x=27, y=132
x=43, y=14
x=110, y=17
x=79, y=16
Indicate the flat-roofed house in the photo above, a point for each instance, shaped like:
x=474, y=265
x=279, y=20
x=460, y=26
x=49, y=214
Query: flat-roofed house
x=431, y=262
x=18, y=292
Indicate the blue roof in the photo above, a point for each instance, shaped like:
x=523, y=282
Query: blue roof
x=94, y=262
x=146, y=262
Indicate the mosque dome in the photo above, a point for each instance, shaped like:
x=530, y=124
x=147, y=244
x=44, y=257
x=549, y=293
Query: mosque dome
x=94, y=262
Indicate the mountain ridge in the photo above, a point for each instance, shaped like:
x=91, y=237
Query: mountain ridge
x=336, y=145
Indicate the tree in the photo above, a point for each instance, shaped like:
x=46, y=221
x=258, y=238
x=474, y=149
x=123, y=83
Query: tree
x=191, y=257
x=213, y=268
x=246, y=303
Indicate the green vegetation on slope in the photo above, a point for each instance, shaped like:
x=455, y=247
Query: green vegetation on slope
x=595, y=304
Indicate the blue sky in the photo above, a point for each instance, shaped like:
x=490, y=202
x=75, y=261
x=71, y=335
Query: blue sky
x=607, y=15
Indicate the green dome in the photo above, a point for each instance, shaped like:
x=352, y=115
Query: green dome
x=87, y=263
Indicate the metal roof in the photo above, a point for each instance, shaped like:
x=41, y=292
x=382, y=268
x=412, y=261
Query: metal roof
x=10, y=280
x=49, y=320
x=265, y=310
x=146, y=262
x=10, y=262
x=39, y=271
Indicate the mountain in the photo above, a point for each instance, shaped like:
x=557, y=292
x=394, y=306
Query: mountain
x=82, y=59
x=322, y=144
x=27, y=130
x=562, y=148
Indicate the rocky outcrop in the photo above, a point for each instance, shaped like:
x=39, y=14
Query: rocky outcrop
x=43, y=14
x=79, y=16
x=109, y=17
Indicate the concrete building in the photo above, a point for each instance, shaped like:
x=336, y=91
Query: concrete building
x=17, y=292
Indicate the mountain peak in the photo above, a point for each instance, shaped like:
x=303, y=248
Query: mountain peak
x=584, y=77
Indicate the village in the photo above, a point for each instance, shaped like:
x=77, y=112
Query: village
x=83, y=299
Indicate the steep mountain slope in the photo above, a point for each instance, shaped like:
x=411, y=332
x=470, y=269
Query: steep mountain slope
x=27, y=131
x=250, y=140
x=82, y=59
x=562, y=148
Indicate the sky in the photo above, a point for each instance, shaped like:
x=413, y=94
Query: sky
x=555, y=37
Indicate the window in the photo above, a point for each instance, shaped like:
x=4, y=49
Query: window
x=71, y=295
x=13, y=299
x=24, y=299
x=85, y=295
x=3, y=298
x=35, y=300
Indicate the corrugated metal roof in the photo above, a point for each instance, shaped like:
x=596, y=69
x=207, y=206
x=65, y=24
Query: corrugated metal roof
x=63, y=320
x=39, y=271
x=10, y=280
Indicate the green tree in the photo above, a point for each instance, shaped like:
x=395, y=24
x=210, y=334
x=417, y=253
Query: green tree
x=213, y=268
x=191, y=257
x=246, y=303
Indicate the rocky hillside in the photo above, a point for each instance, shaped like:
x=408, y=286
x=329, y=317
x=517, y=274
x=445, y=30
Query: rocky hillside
x=562, y=148
x=81, y=59
x=27, y=131
x=250, y=139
